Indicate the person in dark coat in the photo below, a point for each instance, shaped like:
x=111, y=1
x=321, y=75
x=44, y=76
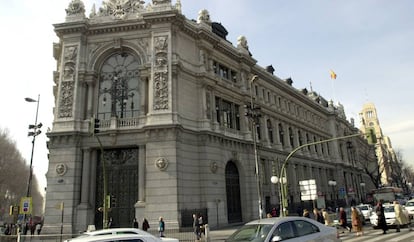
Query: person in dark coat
x=343, y=222
x=196, y=227
x=145, y=225
x=382, y=224
x=318, y=216
x=135, y=223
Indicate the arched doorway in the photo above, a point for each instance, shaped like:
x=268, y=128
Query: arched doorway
x=234, y=214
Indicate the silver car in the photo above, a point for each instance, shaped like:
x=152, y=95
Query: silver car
x=289, y=229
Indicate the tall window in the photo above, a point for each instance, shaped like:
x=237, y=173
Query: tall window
x=119, y=87
x=270, y=131
x=291, y=137
x=227, y=113
x=281, y=134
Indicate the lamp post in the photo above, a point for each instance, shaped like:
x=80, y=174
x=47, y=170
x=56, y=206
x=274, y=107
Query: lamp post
x=283, y=189
x=253, y=115
x=281, y=181
x=35, y=132
x=332, y=183
x=362, y=185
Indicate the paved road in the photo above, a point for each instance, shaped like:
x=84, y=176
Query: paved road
x=370, y=235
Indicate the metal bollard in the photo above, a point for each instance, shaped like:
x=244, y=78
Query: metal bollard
x=207, y=232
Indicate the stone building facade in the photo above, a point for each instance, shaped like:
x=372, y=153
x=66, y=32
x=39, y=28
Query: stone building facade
x=170, y=96
x=388, y=164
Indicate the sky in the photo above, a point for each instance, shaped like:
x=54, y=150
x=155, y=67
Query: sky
x=368, y=43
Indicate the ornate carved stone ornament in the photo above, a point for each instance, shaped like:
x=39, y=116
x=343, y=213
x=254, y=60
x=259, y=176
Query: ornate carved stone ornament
x=61, y=169
x=67, y=86
x=157, y=2
x=161, y=90
x=203, y=16
x=120, y=156
x=161, y=163
x=119, y=9
x=76, y=7
x=213, y=167
x=66, y=99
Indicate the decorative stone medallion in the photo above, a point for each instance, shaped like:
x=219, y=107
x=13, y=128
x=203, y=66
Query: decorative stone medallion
x=213, y=167
x=61, y=169
x=161, y=163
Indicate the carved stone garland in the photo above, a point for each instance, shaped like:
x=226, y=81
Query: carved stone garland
x=68, y=80
x=161, y=73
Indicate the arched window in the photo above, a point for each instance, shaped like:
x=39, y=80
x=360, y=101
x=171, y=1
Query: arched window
x=119, y=87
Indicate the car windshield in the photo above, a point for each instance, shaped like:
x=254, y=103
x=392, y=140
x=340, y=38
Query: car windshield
x=252, y=232
x=409, y=203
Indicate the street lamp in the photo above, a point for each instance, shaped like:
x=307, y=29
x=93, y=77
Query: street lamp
x=252, y=113
x=332, y=183
x=35, y=131
x=281, y=181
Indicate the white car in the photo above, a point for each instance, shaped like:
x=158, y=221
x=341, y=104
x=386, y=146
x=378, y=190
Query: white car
x=366, y=210
x=115, y=238
x=409, y=206
x=138, y=234
x=289, y=229
x=389, y=216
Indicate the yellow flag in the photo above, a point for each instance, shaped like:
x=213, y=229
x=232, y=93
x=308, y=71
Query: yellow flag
x=333, y=74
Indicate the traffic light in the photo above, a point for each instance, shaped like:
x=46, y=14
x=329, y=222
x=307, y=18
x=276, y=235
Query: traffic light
x=96, y=125
x=36, y=129
x=370, y=136
x=113, y=201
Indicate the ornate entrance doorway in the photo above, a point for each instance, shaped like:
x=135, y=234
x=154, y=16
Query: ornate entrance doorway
x=122, y=185
x=234, y=213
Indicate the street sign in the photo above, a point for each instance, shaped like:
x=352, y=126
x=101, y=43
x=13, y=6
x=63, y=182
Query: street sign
x=26, y=205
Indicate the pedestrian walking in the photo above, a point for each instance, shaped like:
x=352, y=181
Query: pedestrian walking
x=201, y=224
x=38, y=228
x=318, y=216
x=326, y=217
x=161, y=227
x=342, y=219
x=145, y=224
x=356, y=221
x=135, y=223
x=196, y=227
x=306, y=213
x=400, y=217
x=382, y=224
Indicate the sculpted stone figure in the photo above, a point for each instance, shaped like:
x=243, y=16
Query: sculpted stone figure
x=242, y=42
x=203, y=16
x=75, y=7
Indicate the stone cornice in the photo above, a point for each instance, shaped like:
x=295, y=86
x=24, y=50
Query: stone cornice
x=71, y=28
